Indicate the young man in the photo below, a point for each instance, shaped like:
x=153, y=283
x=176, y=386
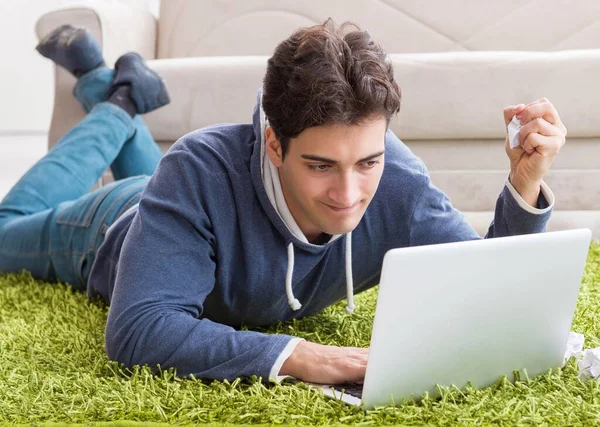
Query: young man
x=247, y=224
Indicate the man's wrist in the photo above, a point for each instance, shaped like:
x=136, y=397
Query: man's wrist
x=290, y=366
x=277, y=372
x=528, y=190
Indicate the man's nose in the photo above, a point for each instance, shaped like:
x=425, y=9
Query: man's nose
x=346, y=190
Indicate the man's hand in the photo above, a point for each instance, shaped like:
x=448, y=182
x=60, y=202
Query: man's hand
x=326, y=364
x=541, y=137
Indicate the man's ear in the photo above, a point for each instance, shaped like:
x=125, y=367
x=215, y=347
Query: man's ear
x=273, y=147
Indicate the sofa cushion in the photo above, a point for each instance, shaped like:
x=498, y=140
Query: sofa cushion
x=239, y=27
x=446, y=96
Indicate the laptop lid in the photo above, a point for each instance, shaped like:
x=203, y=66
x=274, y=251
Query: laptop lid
x=471, y=312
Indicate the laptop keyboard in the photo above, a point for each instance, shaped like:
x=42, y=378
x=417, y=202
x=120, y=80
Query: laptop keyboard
x=353, y=389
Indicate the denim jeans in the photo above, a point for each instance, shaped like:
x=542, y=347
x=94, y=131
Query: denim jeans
x=50, y=222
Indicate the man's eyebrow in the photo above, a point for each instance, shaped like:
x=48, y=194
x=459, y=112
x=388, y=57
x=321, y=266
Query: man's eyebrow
x=333, y=162
x=371, y=157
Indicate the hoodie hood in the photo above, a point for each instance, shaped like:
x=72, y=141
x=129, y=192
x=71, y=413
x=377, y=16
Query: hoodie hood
x=265, y=177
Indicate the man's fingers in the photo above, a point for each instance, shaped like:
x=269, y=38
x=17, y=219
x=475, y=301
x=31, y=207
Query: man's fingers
x=538, y=101
x=356, y=352
x=543, y=145
x=540, y=126
x=539, y=135
x=544, y=110
x=535, y=142
x=353, y=366
x=541, y=107
x=512, y=110
x=357, y=349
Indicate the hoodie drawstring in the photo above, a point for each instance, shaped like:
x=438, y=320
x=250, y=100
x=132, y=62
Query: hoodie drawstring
x=349, y=281
x=292, y=301
x=295, y=304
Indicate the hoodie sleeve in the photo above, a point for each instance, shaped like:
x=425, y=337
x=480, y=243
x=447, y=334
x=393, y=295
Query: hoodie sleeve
x=166, y=270
x=434, y=220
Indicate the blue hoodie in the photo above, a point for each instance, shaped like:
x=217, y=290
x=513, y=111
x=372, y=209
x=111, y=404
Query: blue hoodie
x=208, y=250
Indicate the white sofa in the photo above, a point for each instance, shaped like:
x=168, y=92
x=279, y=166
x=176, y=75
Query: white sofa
x=458, y=64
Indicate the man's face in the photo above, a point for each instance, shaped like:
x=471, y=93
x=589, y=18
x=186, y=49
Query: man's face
x=330, y=174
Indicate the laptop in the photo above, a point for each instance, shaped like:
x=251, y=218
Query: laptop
x=470, y=312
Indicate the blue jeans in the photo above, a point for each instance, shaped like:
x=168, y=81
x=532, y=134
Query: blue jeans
x=50, y=224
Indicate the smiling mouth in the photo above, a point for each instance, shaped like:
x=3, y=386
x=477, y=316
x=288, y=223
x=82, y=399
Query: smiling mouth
x=342, y=210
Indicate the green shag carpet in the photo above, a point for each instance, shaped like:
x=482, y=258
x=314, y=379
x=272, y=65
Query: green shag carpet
x=53, y=369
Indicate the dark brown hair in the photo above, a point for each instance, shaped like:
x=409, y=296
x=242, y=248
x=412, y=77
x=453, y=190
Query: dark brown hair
x=327, y=75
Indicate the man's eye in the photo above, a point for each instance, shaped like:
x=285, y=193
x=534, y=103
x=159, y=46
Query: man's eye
x=371, y=163
x=319, y=168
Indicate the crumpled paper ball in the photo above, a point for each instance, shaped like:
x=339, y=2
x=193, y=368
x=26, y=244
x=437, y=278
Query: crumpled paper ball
x=588, y=361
